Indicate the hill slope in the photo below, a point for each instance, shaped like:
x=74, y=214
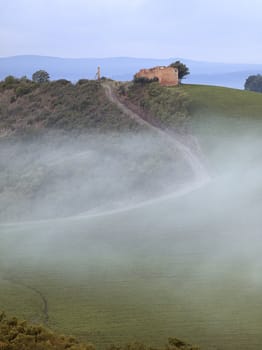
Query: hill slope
x=58, y=105
x=213, y=100
x=224, y=120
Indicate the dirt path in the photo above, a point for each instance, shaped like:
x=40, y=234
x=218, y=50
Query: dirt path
x=45, y=314
x=113, y=98
x=199, y=171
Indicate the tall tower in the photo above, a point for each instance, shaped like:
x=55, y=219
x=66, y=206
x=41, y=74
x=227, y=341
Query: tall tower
x=98, y=73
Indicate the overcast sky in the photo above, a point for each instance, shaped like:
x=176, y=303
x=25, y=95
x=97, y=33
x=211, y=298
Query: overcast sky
x=210, y=30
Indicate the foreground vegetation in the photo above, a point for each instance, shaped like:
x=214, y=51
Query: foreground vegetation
x=20, y=335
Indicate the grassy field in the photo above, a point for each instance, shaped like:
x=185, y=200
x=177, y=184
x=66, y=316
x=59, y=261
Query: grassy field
x=175, y=268
x=223, y=113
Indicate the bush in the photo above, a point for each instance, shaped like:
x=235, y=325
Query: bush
x=17, y=335
x=62, y=82
x=23, y=90
x=12, y=99
x=122, y=90
x=10, y=81
x=82, y=81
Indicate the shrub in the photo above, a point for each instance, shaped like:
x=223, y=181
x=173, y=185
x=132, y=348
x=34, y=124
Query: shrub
x=17, y=335
x=82, y=81
x=62, y=82
x=23, y=90
x=13, y=99
x=10, y=81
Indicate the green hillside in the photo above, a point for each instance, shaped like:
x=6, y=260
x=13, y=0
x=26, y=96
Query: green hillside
x=214, y=100
x=224, y=120
x=199, y=107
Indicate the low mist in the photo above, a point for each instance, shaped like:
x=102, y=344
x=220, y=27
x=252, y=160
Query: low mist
x=62, y=175
x=186, y=266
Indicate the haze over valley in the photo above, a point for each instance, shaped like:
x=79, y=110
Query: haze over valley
x=112, y=227
x=130, y=175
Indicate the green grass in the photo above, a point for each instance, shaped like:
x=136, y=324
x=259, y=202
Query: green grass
x=223, y=113
x=223, y=120
x=134, y=276
x=220, y=101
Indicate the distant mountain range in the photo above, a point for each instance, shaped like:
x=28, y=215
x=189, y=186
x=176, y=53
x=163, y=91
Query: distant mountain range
x=124, y=68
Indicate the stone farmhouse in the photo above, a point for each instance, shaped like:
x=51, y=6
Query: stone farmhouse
x=167, y=76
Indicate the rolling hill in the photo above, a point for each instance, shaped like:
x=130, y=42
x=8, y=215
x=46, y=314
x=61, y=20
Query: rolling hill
x=185, y=266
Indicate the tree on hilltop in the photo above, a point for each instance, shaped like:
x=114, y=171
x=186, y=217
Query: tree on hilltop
x=254, y=83
x=40, y=76
x=183, y=70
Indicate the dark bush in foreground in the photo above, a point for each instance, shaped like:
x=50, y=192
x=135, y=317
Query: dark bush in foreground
x=20, y=335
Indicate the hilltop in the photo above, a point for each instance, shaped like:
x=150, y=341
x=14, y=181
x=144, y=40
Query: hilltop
x=60, y=105
x=123, y=68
